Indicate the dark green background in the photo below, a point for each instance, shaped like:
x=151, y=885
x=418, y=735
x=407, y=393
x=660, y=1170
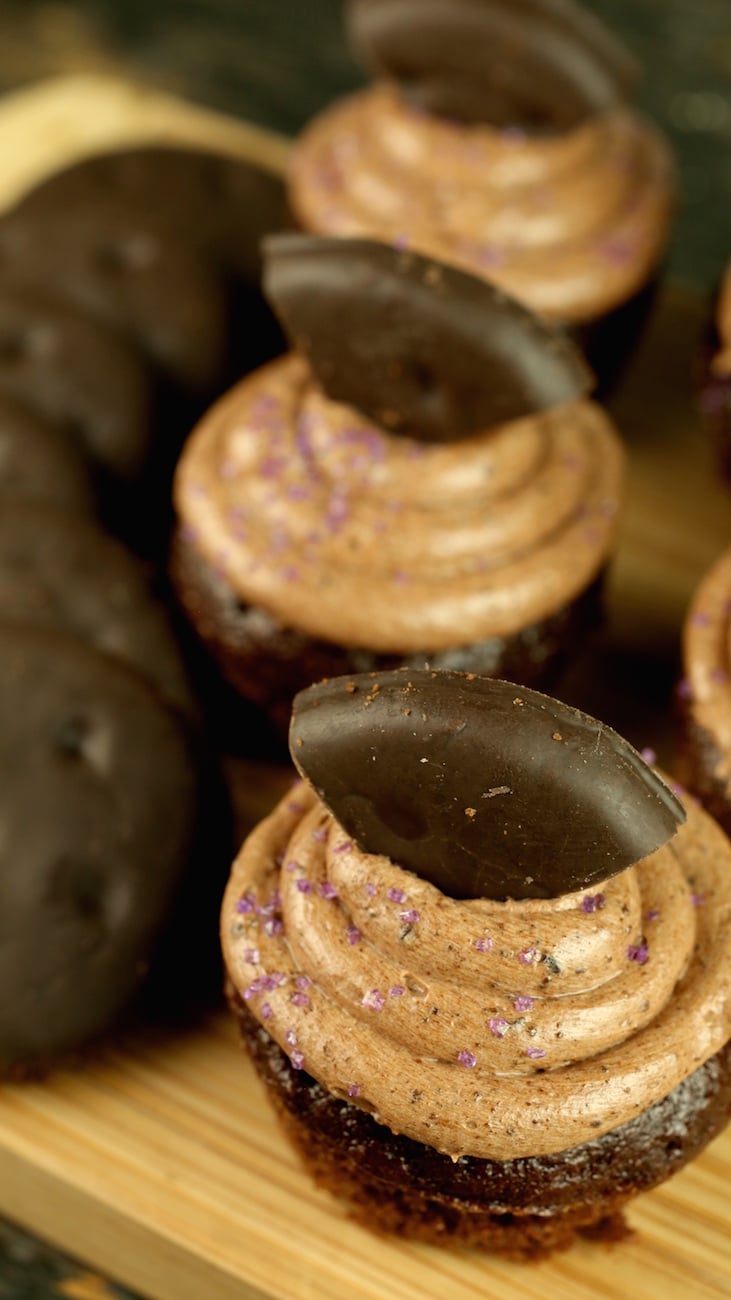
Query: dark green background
x=277, y=62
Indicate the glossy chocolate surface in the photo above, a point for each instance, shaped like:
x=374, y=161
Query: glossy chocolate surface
x=419, y=347
x=540, y=65
x=484, y=788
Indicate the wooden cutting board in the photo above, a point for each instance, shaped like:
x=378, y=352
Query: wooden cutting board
x=159, y=1161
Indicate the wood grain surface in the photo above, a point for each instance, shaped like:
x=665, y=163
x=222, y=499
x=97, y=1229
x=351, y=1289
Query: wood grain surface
x=159, y=1161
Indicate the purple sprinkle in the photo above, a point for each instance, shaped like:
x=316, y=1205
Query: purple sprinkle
x=396, y=991
x=353, y=934
x=247, y=903
x=396, y=896
x=593, y=902
x=266, y=1012
x=297, y=1060
x=303, y=981
x=320, y=834
x=294, y=806
x=256, y=986
x=327, y=890
x=291, y=1038
x=535, y=1053
x=697, y=900
x=271, y=982
x=410, y=916
x=528, y=956
x=498, y=1026
x=299, y=999
x=371, y=889
x=649, y=756
x=354, y=1090
x=653, y=915
x=700, y=619
x=523, y=1003
x=638, y=952
x=374, y=1000
x=273, y=927
x=251, y=955
x=304, y=886
x=484, y=945
x=292, y=865
x=467, y=1059
x=344, y=847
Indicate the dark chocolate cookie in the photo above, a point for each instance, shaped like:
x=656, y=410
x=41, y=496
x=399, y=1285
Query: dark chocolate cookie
x=221, y=205
x=59, y=571
x=120, y=267
x=70, y=370
x=41, y=463
x=98, y=808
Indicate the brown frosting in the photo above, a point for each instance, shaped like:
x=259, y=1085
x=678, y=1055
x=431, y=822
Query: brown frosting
x=722, y=359
x=571, y=224
x=370, y=540
x=707, y=660
x=482, y=1028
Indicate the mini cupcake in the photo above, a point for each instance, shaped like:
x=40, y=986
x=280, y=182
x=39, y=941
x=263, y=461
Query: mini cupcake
x=489, y=1000
x=498, y=137
x=705, y=692
x=424, y=480
x=716, y=392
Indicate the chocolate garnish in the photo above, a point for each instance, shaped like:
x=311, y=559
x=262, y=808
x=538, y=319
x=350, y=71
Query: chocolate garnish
x=484, y=788
x=419, y=347
x=541, y=65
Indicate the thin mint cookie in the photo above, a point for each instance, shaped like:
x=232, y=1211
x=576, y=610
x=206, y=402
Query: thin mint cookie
x=98, y=804
x=72, y=371
x=40, y=463
x=119, y=267
x=61, y=571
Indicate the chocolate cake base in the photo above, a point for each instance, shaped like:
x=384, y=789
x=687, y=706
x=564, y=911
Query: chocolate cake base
x=609, y=342
x=523, y=1209
x=268, y=663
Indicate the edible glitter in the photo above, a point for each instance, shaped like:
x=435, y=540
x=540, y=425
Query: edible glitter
x=371, y=889
x=396, y=896
x=528, y=956
x=374, y=1000
x=273, y=927
x=523, y=1003
x=649, y=756
x=484, y=945
x=344, y=847
x=320, y=834
x=299, y=999
x=593, y=902
x=304, y=886
x=467, y=1059
x=353, y=934
x=697, y=900
x=638, y=952
x=497, y=1026
x=396, y=991
x=652, y=915
x=410, y=916
x=327, y=890
x=291, y=1038
x=247, y=903
x=251, y=955
x=265, y=1011
x=297, y=1060
x=354, y=1090
x=535, y=1053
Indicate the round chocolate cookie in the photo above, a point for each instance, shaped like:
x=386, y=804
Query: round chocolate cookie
x=221, y=205
x=93, y=767
x=120, y=267
x=71, y=371
x=41, y=463
x=60, y=571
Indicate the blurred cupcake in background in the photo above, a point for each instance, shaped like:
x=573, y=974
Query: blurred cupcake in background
x=498, y=137
x=705, y=692
x=716, y=390
x=424, y=479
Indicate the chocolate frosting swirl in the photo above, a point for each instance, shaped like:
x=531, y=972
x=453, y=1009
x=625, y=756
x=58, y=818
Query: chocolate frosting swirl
x=353, y=536
x=571, y=224
x=491, y=1029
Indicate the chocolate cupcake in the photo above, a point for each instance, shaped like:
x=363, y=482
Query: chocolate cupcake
x=705, y=693
x=425, y=480
x=716, y=391
x=484, y=981
x=498, y=137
